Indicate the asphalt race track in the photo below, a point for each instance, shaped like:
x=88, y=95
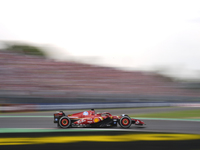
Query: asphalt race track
x=111, y=140
x=36, y=130
x=44, y=120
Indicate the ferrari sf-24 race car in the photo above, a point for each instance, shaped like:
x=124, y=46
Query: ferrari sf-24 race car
x=92, y=119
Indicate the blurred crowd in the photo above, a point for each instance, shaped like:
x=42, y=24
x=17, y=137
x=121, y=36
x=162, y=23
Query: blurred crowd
x=24, y=75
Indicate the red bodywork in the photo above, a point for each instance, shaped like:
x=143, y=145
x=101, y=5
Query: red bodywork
x=90, y=117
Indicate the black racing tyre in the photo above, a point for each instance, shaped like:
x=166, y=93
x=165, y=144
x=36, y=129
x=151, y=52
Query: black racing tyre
x=125, y=122
x=64, y=122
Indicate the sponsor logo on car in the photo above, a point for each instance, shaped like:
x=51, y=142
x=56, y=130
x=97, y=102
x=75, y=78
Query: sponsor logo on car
x=89, y=121
x=96, y=120
x=137, y=122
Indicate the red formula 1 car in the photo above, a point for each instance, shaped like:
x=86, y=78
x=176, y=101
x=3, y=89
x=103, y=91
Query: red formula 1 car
x=92, y=119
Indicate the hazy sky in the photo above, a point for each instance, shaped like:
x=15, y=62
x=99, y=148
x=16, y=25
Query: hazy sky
x=141, y=34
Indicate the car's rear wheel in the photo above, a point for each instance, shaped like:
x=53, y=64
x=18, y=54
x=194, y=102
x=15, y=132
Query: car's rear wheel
x=64, y=122
x=125, y=122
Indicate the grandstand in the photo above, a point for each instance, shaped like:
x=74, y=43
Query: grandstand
x=33, y=76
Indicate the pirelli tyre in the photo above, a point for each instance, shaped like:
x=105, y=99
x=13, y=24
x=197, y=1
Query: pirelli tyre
x=64, y=122
x=125, y=122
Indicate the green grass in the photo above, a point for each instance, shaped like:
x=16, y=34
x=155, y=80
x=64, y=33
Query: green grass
x=186, y=114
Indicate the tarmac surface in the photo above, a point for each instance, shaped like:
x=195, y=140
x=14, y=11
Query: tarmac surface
x=44, y=120
x=99, y=140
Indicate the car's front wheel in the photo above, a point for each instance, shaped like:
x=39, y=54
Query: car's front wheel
x=64, y=122
x=125, y=122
